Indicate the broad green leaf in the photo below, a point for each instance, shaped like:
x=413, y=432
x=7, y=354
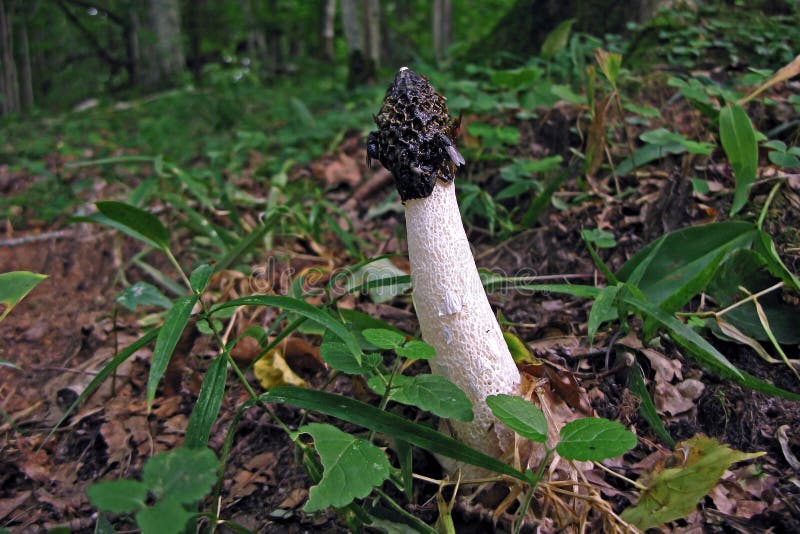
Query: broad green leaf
x=136, y=219
x=300, y=307
x=748, y=269
x=166, y=516
x=200, y=276
x=431, y=393
x=339, y=357
x=646, y=406
x=416, y=350
x=594, y=439
x=174, y=323
x=765, y=248
x=182, y=474
x=206, y=408
x=557, y=39
x=600, y=238
x=683, y=258
x=520, y=415
x=383, y=339
x=675, y=492
x=117, y=496
x=603, y=310
x=14, y=286
x=142, y=294
x=353, y=467
x=739, y=142
x=783, y=159
x=372, y=418
x=519, y=351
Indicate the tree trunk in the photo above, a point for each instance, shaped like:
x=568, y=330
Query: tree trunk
x=10, y=84
x=523, y=29
x=372, y=29
x=359, y=69
x=328, y=25
x=442, y=28
x=164, y=53
x=27, y=78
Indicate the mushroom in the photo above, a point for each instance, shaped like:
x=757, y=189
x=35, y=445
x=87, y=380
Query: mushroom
x=415, y=143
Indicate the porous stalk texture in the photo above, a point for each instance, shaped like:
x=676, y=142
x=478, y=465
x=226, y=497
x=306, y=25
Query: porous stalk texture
x=455, y=315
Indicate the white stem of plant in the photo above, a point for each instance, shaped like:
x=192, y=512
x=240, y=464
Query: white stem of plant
x=454, y=313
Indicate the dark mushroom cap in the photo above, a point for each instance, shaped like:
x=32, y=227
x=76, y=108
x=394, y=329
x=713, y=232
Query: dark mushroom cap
x=415, y=134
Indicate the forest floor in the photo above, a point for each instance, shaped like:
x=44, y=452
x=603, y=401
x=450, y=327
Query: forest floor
x=65, y=331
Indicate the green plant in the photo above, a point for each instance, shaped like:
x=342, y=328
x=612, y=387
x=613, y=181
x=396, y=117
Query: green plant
x=176, y=480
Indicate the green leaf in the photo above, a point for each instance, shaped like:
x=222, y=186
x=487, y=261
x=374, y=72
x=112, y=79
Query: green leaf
x=383, y=339
x=594, y=439
x=142, y=294
x=739, y=142
x=600, y=238
x=182, y=474
x=520, y=415
x=431, y=393
x=300, y=307
x=646, y=406
x=206, y=408
x=117, y=496
x=557, y=39
x=352, y=467
x=416, y=350
x=339, y=357
x=200, y=276
x=602, y=310
x=104, y=373
x=610, y=64
x=138, y=220
x=782, y=159
x=675, y=492
x=174, y=323
x=372, y=418
x=683, y=257
x=167, y=516
x=647, y=154
x=14, y=286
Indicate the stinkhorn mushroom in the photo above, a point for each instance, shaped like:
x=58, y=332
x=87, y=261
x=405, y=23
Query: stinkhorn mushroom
x=415, y=142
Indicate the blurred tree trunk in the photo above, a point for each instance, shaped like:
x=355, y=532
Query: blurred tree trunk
x=163, y=52
x=328, y=25
x=360, y=69
x=523, y=29
x=442, y=18
x=26, y=81
x=10, y=84
x=372, y=29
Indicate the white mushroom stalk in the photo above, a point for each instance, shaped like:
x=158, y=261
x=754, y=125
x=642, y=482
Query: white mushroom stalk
x=415, y=142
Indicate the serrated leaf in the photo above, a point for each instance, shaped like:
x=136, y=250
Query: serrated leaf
x=594, y=439
x=168, y=337
x=117, y=496
x=431, y=393
x=200, y=276
x=739, y=142
x=167, y=516
x=520, y=415
x=136, y=219
x=142, y=294
x=182, y=474
x=383, y=339
x=206, y=408
x=353, y=467
x=675, y=492
x=416, y=350
x=14, y=286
